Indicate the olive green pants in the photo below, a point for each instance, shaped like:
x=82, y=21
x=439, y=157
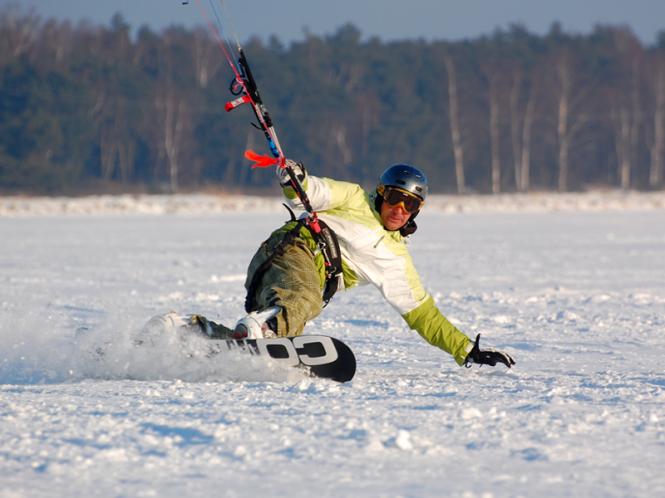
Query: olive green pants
x=291, y=281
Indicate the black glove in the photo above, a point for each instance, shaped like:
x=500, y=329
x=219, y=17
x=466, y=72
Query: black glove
x=487, y=357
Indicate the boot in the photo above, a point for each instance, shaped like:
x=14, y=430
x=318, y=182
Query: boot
x=258, y=324
x=212, y=329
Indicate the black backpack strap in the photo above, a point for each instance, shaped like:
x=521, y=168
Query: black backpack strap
x=291, y=213
x=332, y=256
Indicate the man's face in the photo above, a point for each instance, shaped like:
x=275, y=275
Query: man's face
x=394, y=217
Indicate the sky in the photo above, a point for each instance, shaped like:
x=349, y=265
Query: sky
x=387, y=19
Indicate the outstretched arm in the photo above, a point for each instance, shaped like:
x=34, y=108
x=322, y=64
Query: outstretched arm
x=435, y=328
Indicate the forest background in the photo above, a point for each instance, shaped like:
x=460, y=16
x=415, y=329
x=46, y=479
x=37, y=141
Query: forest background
x=88, y=108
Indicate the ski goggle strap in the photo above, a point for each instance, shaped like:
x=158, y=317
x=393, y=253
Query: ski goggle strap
x=395, y=196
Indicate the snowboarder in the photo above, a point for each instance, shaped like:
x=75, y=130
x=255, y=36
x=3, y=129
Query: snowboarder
x=289, y=281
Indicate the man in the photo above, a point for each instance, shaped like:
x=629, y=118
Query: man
x=287, y=278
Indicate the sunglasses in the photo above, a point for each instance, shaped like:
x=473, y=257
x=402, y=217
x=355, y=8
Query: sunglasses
x=409, y=201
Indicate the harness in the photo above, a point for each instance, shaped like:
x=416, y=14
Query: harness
x=326, y=241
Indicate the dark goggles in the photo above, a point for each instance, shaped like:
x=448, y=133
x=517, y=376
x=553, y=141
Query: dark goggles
x=409, y=201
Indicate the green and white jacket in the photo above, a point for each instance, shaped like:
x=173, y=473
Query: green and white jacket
x=372, y=254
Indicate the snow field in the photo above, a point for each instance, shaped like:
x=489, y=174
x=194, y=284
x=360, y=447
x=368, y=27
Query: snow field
x=577, y=298
x=200, y=203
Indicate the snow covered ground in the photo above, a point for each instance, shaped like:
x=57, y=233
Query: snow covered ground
x=576, y=295
x=594, y=201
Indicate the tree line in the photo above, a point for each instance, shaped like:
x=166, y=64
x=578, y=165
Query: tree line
x=96, y=108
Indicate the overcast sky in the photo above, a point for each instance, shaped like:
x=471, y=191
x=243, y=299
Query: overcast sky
x=388, y=19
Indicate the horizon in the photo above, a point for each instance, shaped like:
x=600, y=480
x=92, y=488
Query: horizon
x=292, y=20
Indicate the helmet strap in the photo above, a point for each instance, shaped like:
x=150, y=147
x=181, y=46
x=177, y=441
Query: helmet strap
x=409, y=228
x=378, y=201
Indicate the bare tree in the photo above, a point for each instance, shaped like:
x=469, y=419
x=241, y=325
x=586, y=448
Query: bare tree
x=626, y=103
x=494, y=93
x=515, y=123
x=570, y=100
x=521, y=124
x=56, y=41
x=525, y=156
x=337, y=149
x=116, y=154
x=498, y=68
x=207, y=59
x=455, y=128
x=171, y=116
x=563, y=126
x=369, y=105
x=111, y=110
x=19, y=32
x=171, y=124
x=116, y=146
x=657, y=146
x=339, y=135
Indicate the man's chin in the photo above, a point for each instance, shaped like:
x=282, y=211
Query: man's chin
x=392, y=226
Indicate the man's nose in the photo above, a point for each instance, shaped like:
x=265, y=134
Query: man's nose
x=400, y=206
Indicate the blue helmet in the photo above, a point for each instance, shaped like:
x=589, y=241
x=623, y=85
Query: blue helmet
x=405, y=177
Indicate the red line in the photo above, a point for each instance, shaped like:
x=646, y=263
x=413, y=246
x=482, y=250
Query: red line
x=220, y=39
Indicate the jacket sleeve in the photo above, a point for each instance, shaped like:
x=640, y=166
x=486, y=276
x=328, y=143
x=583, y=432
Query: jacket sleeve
x=396, y=277
x=435, y=328
x=323, y=193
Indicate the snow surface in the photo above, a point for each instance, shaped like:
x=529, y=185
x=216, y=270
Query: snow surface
x=577, y=297
x=594, y=201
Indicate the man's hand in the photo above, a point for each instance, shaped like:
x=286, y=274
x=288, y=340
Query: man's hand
x=298, y=169
x=487, y=357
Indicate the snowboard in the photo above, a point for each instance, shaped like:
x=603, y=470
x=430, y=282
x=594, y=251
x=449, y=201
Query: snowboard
x=324, y=356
